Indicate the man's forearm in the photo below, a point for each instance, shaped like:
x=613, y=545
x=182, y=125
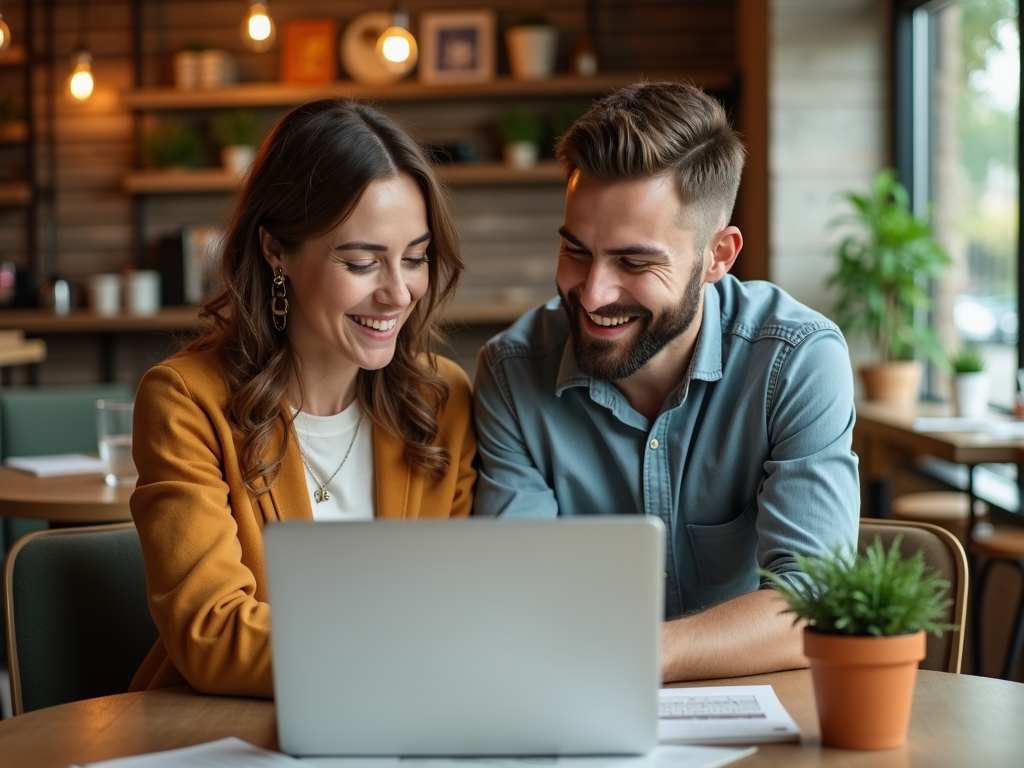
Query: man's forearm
x=744, y=636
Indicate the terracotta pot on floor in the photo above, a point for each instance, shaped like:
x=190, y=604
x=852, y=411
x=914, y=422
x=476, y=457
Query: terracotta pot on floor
x=896, y=382
x=864, y=687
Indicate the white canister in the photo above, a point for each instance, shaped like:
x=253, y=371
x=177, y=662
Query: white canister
x=521, y=154
x=142, y=291
x=105, y=294
x=216, y=68
x=531, y=51
x=970, y=393
x=186, y=70
x=237, y=158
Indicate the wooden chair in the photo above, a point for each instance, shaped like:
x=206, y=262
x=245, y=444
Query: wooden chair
x=78, y=623
x=944, y=553
x=991, y=545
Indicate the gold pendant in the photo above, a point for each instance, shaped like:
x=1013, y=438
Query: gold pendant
x=321, y=495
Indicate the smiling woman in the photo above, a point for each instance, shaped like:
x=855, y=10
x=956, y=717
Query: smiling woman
x=315, y=394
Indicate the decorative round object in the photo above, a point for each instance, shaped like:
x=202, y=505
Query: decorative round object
x=358, y=49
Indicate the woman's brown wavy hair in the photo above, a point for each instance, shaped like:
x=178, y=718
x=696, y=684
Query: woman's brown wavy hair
x=307, y=179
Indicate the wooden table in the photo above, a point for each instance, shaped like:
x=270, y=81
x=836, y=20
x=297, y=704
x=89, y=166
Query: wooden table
x=76, y=499
x=885, y=439
x=958, y=720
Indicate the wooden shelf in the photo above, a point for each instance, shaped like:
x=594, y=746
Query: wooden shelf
x=13, y=131
x=38, y=322
x=280, y=95
x=15, y=193
x=217, y=180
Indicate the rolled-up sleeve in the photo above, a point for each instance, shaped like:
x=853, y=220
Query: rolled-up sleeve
x=809, y=501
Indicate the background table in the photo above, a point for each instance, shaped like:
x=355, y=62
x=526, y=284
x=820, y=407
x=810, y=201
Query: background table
x=73, y=499
x=958, y=721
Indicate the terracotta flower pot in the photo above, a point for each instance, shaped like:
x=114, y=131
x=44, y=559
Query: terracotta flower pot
x=896, y=382
x=864, y=687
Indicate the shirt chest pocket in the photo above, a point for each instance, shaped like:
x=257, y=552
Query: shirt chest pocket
x=726, y=554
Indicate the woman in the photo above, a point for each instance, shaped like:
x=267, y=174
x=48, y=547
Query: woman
x=312, y=397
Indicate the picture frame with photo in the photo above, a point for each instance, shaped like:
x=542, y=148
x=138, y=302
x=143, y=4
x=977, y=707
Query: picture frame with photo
x=457, y=47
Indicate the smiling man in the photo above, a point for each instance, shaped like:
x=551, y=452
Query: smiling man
x=659, y=384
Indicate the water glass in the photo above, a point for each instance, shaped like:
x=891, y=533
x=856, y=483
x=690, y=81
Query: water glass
x=114, y=433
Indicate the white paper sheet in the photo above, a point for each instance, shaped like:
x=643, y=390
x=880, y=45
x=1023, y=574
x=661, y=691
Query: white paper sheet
x=55, y=466
x=733, y=714
x=949, y=424
x=675, y=756
x=225, y=753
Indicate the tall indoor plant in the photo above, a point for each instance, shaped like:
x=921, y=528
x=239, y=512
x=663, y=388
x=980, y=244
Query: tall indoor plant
x=867, y=615
x=882, y=283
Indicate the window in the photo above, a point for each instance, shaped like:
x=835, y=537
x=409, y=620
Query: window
x=957, y=100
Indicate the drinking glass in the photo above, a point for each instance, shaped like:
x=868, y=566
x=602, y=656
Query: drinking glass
x=114, y=433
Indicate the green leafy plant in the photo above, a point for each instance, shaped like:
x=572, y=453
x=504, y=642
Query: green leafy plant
x=520, y=125
x=173, y=144
x=967, y=359
x=236, y=127
x=881, y=278
x=877, y=593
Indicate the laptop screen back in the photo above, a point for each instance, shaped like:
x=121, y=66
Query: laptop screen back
x=466, y=637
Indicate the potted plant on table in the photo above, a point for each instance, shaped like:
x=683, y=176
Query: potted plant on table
x=866, y=616
x=236, y=132
x=970, y=382
x=881, y=282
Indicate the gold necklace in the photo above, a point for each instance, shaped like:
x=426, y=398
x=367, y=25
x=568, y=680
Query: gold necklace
x=323, y=494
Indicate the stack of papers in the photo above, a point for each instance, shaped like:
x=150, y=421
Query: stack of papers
x=235, y=753
x=1008, y=430
x=55, y=466
x=733, y=714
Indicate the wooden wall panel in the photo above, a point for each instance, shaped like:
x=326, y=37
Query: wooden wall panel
x=508, y=232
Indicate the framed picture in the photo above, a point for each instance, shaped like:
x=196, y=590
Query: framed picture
x=309, y=51
x=457, y=47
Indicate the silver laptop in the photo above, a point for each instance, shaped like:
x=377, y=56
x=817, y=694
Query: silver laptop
x=467, y=637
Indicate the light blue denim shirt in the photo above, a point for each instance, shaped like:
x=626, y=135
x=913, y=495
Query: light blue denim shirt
x=748, y=462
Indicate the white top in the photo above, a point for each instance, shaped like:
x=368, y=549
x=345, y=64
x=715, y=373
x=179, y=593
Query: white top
x=324, y=440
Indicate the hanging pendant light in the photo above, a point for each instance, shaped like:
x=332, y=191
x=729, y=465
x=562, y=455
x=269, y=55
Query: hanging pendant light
x=396, y=47
x=81, y=82
x=258, y=30
x=5, y=35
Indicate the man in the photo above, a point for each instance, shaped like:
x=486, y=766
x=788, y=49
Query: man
x=659, y=384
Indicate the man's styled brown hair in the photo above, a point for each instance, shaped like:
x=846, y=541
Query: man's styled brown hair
x=650, y=129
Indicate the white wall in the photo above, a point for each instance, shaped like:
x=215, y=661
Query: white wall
x=828, y=102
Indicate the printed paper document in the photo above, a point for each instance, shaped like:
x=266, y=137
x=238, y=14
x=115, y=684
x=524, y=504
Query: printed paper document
x=732, y=714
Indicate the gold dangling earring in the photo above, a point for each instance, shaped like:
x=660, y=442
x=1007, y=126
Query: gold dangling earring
x=278, y=303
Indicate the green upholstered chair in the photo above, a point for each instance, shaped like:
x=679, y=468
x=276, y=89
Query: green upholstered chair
x=943, y=552
x=78, y=624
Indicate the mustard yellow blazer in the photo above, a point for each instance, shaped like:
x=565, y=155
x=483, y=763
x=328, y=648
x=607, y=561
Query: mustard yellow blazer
x=201, y=528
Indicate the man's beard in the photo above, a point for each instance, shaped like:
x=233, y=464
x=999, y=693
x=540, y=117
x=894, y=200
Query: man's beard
x=611, y=360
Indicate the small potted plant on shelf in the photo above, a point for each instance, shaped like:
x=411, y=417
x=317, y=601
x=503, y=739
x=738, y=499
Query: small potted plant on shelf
x=236, y=132
x=521, y=132
x=970, y=382
x=172, y=145
x=866, y=616
x=532, y=43
x=880, y=284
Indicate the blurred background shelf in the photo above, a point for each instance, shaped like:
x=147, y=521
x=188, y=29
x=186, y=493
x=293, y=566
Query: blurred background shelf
x=217, y=180
x=15, y=193
x=277, y=94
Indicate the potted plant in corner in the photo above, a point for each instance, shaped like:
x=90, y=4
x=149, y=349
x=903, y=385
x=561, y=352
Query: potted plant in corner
x=970, y=382
x=881, y=283
x=866, y=616
x=520, y=131
x=236, y=132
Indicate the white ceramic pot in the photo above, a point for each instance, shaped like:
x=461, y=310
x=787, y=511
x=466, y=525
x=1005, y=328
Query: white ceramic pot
x=105, y=293
x=521, y=154
x=237, y=159
x=531, y=51
x=970, y=394
x=216, y=68
x=142, y=291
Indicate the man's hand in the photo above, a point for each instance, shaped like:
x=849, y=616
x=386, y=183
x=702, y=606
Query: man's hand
x=747, y=635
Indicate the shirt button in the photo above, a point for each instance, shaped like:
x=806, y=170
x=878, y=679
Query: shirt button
x=654, y=444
